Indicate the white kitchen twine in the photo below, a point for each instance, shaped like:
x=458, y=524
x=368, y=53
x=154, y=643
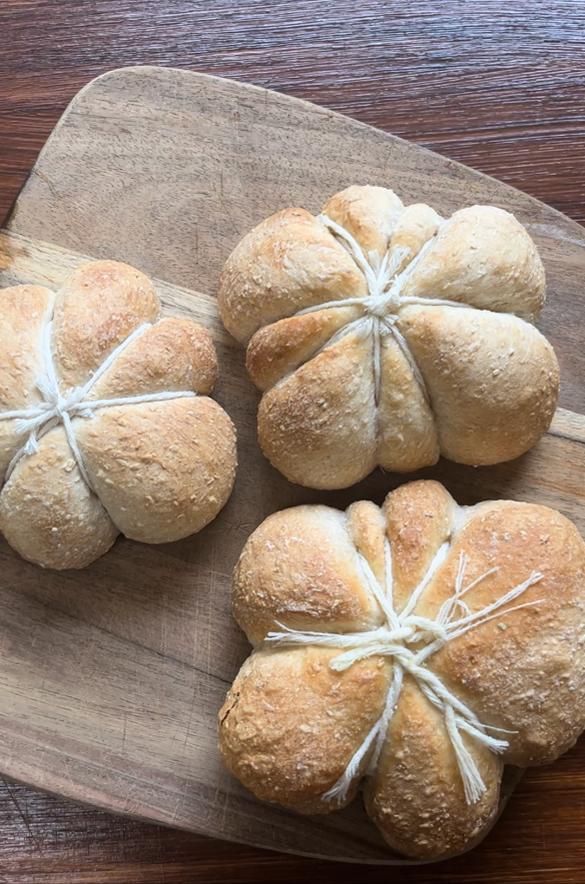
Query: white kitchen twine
x=56, y=408
x=384, y=299
x=392, y=640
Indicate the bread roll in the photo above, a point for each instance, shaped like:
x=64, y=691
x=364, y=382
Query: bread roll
x=412, y=649
x=384, y=335
x=105, y=422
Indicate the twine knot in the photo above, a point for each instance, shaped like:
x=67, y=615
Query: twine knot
x=56, y=408
x=56, y=404
x=383, y=304
x=409, y=640
x=385, y=280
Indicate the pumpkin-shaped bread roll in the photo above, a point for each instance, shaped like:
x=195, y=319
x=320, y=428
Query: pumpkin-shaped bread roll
x=414, y=650
x=384, y=335
x=105, y=422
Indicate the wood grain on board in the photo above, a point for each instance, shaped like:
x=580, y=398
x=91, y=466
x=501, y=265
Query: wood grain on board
x=498, y=86
x=503, y=92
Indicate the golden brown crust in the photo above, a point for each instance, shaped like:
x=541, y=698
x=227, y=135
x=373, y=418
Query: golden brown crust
x=419, y=519
x=493, y=392
x=484, y=257
x=160, y=470
x=406, y=429
x=369, y=213
x=317, y=425
x=24, y=309
x=415, y=797
x=416, y=226
x=523, y=670
x=163, y=470
x=287, y=263
x=279, y=349
x=527, y=674
x=97, y=307
x=290, y=724
x=365, y=528
x=174, y=354
x=47, y=512
x=449, y=378
x=300, y=568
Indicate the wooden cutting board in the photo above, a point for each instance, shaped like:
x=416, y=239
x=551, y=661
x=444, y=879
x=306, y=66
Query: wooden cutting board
x=111, y=678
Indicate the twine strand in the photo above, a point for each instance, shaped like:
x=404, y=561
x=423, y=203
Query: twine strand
x=392, y=640
x=56, y=408
x=381, y=305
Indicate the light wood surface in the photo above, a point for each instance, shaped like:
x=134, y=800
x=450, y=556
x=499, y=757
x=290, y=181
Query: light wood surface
x=110, y=680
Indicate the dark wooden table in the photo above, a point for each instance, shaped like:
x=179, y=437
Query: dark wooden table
x=499, y=86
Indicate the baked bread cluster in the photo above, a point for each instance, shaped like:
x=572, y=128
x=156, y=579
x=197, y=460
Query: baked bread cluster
x=384, y=335
x=413, y=649
x=106, y=425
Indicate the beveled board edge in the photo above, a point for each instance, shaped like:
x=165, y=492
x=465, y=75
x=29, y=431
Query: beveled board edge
x=525, y=200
